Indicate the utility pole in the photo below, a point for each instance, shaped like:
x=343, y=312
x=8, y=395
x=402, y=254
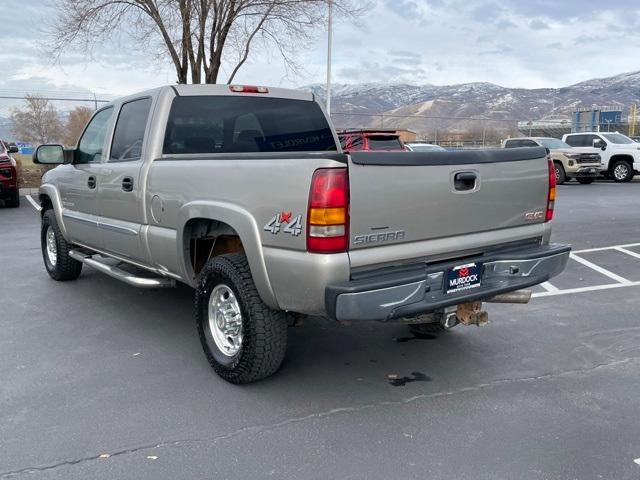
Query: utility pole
x=329, y=47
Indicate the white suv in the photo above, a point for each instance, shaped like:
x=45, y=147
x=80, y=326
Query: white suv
x=620, y=156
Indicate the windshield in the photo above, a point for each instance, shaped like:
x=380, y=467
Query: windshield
x=2, y=149
x=384, y=142
x=426, y=148
x=617, y=138
x=236, y=124
x=553, y=143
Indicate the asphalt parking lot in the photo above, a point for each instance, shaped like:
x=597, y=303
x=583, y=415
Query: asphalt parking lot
x=99, y=380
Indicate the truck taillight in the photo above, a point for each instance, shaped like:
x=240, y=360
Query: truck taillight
x=551, y=197
x=328, y=215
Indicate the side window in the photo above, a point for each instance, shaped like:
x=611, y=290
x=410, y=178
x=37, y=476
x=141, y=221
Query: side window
x=528, y=143
x=574, y=140
x=90, y=145
x=356, y=142
x=510, y=144
x=129, y=133
x=592, y=138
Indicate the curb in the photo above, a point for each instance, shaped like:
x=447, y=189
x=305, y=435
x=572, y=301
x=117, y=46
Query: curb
x=29, y=191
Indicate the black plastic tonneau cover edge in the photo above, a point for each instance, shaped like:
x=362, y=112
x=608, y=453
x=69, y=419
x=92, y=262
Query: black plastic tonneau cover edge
x=458, y=157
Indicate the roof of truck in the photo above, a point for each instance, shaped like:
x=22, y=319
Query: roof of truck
x=223, y=89
x=219, y=90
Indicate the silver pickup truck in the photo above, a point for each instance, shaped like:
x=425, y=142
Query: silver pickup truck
x=244, y=194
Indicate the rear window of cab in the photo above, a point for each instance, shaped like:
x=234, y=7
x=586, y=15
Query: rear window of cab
x=238, y=124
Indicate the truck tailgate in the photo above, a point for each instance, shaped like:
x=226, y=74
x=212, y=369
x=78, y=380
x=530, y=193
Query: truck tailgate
x=416, y=196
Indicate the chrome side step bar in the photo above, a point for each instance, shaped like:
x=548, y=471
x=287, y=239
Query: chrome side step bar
x=118, y=273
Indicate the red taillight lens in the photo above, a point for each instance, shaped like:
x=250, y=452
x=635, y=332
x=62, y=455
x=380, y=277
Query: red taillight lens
x=551, y=197
x=248, y=89
x=328, y=214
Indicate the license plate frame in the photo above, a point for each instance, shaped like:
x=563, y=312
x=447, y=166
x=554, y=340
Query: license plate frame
x=463, y=277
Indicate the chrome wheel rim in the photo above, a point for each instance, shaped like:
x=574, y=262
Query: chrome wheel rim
x=620, y=172
x=225, y=320
x=557, y=173
x=51, y=246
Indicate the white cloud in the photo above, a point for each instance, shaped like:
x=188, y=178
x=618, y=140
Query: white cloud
x=534, y=43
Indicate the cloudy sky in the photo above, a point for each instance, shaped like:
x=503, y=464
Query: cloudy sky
x=515, y=43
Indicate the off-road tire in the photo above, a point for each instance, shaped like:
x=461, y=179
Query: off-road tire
x=264, y=330
x=66, y=268
x=586, y=180
x=13, y=201
x=561, y=175
x=619, y=179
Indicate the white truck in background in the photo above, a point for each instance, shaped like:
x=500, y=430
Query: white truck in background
x=619, y=155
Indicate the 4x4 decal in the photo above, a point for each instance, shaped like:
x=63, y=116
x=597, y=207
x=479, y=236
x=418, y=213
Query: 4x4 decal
x=286, y=221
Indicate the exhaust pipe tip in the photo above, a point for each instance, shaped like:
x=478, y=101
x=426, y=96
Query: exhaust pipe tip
x=519, y=296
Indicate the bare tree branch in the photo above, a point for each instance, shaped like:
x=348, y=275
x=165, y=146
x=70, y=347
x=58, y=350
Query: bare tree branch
x=197, y=36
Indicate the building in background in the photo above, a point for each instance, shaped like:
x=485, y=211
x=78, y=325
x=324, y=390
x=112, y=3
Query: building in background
x=599, y=119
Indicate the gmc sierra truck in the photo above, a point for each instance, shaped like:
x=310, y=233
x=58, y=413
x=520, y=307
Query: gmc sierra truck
x=245, y=194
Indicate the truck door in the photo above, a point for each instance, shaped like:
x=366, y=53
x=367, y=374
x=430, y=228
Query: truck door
x=120, y=193
x=78, y=187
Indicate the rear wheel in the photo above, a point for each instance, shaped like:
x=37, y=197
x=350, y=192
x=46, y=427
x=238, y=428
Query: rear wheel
x=243, y=338
x=621, y=171
x=13, y=201
x=561, y=176
x=55, y=250
x=586, y=180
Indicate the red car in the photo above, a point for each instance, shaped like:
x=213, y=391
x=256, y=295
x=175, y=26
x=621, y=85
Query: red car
x=370, y=140
x=9, y=176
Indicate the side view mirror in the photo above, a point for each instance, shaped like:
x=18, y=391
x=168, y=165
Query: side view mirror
x=13, y=149
x=599, y=144
x=49, y=155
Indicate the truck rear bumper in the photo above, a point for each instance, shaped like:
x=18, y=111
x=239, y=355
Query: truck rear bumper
x=407, y=291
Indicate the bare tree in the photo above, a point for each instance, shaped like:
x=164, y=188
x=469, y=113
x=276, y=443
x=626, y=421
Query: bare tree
x=199, y=36
x=37, y=122
x=78, y=119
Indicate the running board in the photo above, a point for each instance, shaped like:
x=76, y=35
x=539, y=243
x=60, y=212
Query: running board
x=118, y=273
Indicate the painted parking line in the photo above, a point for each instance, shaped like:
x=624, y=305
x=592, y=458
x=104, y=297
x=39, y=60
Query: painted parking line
x=620, y=282
x=599, y=269
x=602, y=249
x=637, y=461
x=33, y=202
x=549, y=288
x=628, y=252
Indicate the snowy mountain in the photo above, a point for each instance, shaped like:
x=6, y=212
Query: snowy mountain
x=450, y=107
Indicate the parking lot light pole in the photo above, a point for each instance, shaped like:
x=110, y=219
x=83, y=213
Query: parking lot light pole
x=329, y=46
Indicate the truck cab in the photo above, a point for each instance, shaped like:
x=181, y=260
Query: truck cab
x=619, y=155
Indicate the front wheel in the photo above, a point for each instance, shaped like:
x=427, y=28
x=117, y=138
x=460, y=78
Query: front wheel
x=621, y=171
x=561, y=176
x=243, y=339
x=55, y=250
x=586, y=180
